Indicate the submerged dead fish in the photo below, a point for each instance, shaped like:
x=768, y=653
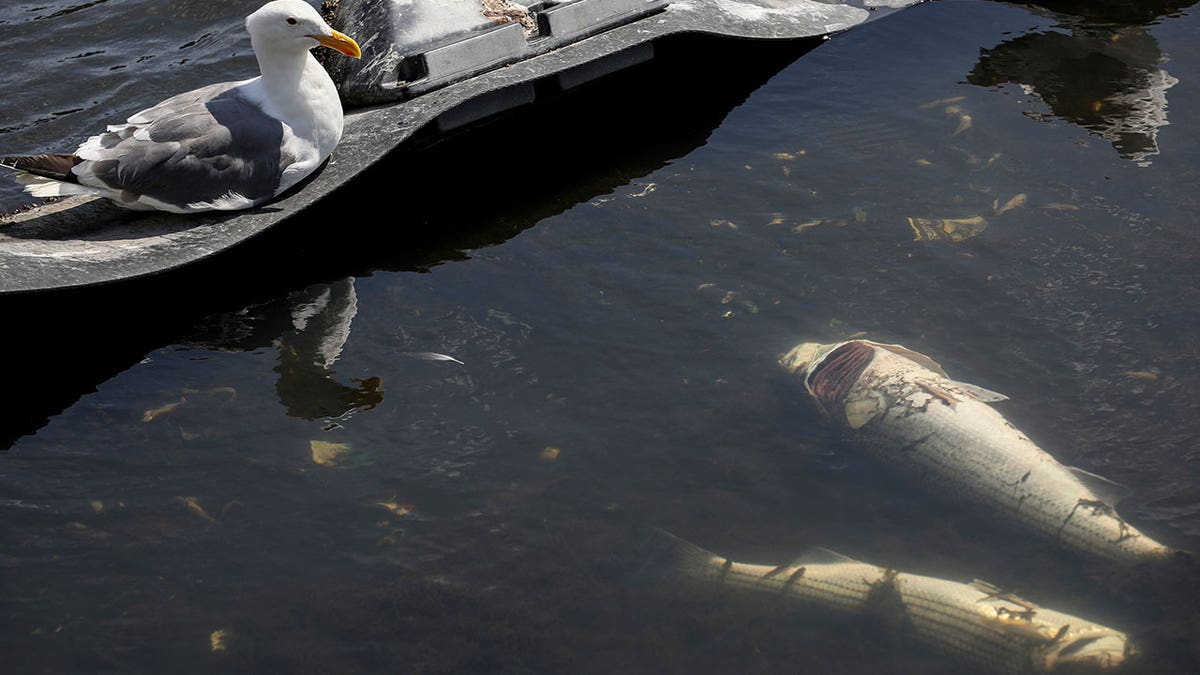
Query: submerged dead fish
x=904, y=407
x=975, y=623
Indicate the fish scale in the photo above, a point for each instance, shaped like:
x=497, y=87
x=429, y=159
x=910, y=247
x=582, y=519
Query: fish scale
x=974, y=623
x=906, y=411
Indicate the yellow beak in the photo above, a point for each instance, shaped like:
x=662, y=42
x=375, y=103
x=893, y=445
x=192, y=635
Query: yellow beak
x=339, y=42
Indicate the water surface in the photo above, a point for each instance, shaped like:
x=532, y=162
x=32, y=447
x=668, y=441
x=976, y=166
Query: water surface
x=252, y=466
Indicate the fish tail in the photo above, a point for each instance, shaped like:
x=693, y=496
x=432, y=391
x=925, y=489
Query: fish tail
x=666, y=554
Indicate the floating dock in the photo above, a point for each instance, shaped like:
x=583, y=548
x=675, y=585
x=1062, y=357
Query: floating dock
x=434, y=85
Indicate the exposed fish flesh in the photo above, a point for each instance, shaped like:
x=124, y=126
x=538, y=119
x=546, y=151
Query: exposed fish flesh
x=975, y=623
x=904, y=407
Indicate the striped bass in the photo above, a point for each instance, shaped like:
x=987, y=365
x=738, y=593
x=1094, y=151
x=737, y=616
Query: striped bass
x=974, y=623
x=903, y=407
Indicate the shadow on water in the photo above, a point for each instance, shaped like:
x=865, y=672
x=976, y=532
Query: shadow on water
x=1105, y=75
x=430, y=203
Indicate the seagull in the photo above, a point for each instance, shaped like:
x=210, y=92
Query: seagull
x=226, y=146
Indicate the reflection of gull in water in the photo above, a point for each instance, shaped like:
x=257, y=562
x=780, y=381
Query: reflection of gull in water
x=1106, y=80
x=309, y=328
x=334, y=314
x=320, y=326
x=1134, y=132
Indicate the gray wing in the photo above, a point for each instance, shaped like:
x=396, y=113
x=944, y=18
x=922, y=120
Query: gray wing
x=169, y=106
x=199, y=146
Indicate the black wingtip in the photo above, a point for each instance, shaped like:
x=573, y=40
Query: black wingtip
x=57, y=167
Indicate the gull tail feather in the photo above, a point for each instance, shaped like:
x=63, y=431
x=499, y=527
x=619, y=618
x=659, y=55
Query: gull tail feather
x=42, y=187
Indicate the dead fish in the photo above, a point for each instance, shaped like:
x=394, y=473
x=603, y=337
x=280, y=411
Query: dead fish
x=902, y=406
x=975, y=622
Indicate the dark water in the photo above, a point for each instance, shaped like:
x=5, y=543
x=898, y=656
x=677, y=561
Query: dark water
x=617, y=273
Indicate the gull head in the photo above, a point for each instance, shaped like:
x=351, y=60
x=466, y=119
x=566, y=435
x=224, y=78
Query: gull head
x=294, y=25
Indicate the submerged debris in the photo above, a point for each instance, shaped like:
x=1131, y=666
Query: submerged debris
x=835, y=222
x=155, y=413
x=331, y=455
x=1014, y=203
x=1144, y=375
x=952, y=229
x=194, y=506
x=650, y=187
x=964, y=118
x=964, y=122
x=213, y=390
x=397, y=508
x=219, y=639
x=942, y=102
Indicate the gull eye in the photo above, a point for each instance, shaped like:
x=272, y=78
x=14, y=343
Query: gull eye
x=292, y=21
